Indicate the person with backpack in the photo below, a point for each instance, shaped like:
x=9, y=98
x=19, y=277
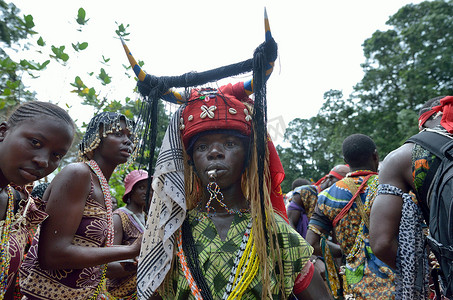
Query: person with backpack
x=342, y=211
x=398, y=220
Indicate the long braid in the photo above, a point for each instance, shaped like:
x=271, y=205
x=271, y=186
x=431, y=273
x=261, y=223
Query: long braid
x=188, y=245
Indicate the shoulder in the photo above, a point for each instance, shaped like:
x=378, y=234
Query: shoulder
x=403, y=152
x=78, y=169
x=73, y=175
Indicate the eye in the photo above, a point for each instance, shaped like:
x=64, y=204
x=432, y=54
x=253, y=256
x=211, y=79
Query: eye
x=201, y=147
x=118, y=133
x=230, y=144
x=58, y=156
x=36, y=143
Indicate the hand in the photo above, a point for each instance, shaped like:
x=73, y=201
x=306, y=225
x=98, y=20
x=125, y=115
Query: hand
x=136, y=246
x=129, y=266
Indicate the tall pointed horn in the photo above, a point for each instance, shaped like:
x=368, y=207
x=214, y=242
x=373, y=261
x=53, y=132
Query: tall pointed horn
x=268, y=36
x=248, y=85
x=170, y=96
x=267, y=28
x=137, y=70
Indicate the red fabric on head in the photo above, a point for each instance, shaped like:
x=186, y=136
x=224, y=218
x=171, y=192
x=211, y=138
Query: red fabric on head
x=277, y=175
x=219, y=109
x=446, y=107
x=424, y=117
x=336, y=175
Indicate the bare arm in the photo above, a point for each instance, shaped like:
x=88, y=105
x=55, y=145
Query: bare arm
x=313, y=239
x=317, y=290
x=293, y=217
x=386, y=210
x=65, y=205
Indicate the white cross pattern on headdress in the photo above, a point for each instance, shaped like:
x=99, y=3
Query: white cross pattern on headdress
x=207, y=111
x=248, y=117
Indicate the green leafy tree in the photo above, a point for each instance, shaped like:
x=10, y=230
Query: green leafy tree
x=404, y=67
x=17, y=33
x=14, y=33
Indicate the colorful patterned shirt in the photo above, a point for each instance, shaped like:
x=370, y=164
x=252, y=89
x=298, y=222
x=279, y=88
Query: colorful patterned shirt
x=216, y=257
x=309, y=197
x=368, y=277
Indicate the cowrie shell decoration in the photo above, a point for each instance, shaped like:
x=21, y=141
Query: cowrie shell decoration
x=207, y=111
x=248, y=117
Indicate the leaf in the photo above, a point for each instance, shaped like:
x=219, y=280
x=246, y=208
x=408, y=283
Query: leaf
x=29, y=21
x=81, y=14
x=41, y=42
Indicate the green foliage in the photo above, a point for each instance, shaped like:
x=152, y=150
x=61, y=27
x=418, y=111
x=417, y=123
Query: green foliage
x=14, y=29
x=404, y=67
x=81, y=15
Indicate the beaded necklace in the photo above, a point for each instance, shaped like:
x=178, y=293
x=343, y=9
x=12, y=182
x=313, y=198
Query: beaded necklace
x=107, y=198
x=4, y=247
x=108, y=203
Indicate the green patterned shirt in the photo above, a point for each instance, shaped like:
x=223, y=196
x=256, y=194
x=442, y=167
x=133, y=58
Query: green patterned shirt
x=216, y=257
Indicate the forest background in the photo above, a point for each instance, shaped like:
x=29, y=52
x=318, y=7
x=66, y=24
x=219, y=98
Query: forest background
x=404, y=66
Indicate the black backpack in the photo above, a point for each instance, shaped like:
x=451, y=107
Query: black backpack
x=437, y=191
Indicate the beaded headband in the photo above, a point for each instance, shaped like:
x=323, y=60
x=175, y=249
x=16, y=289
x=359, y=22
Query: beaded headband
x=108, y=122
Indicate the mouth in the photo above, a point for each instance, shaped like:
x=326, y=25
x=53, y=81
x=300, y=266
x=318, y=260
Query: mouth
x=126, y=152
x=31, y=174
x=215, y=170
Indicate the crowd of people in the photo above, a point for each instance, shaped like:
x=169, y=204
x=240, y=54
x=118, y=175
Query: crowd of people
x=214, y=224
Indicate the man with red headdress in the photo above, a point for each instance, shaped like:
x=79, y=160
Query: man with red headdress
x=396, y=221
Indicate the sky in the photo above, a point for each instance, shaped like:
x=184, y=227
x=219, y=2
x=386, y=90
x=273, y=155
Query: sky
x=320, y=45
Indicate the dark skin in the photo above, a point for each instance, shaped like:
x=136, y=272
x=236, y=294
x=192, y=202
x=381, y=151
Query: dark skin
x=385, y=214
x=56, y=250
x=137, y=201
x=43, y=142
x=226, y=154
x=294, y=215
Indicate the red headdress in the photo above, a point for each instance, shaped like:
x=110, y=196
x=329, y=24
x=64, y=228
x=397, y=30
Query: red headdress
x=446, y=107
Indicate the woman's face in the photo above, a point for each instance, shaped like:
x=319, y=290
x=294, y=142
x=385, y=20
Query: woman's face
x=116, y=146
x=32, y=149
x=222, y=152
x=138, y=193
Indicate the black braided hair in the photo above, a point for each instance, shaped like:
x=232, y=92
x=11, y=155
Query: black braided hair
x=35, y=109
x=188, y=245
x=152, y=88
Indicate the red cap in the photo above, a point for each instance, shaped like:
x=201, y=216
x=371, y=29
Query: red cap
x=210, y=109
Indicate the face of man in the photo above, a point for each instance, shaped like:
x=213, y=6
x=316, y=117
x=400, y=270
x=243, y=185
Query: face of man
x=222, y=152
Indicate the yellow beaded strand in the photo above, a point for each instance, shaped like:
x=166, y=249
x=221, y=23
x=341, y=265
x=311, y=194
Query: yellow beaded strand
x=6, y=232
x=250, y=260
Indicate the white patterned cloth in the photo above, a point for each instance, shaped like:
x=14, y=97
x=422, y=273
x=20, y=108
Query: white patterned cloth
x=166, y=213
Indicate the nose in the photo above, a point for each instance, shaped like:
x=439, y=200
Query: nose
x=42, y=159
x=128, y=141
x=216, y=152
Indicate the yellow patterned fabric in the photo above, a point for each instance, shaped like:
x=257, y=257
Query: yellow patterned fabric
x=367, y=277
x=216, y=258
